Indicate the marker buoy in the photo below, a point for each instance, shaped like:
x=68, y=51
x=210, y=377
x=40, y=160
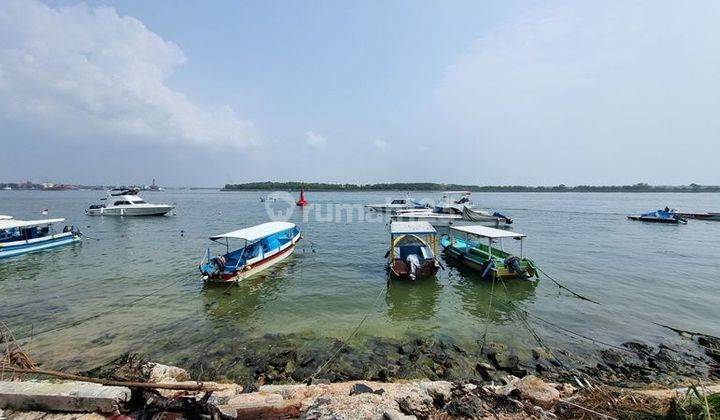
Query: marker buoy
x=302, y=202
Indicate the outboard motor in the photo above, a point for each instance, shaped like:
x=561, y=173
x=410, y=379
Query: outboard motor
x=214, y=267
x=512, y=263
x=486, y=269
x=413, y=264
x=508, y=221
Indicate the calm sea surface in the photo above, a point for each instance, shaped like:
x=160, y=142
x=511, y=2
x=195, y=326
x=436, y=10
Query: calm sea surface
x=85, y=304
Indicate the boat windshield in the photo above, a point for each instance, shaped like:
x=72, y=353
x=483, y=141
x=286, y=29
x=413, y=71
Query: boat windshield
x=398, y=202
x=138, y=202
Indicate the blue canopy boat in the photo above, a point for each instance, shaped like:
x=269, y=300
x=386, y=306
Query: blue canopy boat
x=264, y=245
x=659, y=216
x=19, y=237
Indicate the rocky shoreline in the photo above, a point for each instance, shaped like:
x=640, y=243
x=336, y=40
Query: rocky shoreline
x=418, y=378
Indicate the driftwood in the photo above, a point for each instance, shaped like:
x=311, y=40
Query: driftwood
x=199, y=386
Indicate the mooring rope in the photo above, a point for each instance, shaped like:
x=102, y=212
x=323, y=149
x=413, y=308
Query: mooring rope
x=344, y=342
x=487, y=315
x=102, y=313
x=577, y=295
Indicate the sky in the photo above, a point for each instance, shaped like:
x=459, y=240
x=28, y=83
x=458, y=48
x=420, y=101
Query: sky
x=198, y=93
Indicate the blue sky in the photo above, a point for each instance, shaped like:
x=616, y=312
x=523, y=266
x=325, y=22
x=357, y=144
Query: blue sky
x=204, y=93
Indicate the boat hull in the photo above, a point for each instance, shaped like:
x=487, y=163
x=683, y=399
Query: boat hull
x=443, y=219
x=399, y=269
x=657, y=220
x=13, y=249
x=130, y=211
x=257, y=267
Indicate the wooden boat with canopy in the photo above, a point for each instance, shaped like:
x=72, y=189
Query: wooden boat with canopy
x=465, y=244
x=22, y=236
x=264, y=245
x=412, y=250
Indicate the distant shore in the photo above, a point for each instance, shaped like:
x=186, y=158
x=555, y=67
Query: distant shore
x=427, y=186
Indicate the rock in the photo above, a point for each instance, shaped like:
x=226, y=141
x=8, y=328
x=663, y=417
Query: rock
x=64, y=396
x=258, y=404
x=440, y=392
x=416, y=403
x=360, y=388
x=159, y=373
x=286, y=391
x=396, y=415
x=536, y=391
x=485, y=370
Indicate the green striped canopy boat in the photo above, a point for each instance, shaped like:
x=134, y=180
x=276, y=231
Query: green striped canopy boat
x=465, y=244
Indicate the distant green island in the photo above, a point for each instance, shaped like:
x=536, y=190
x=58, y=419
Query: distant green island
x=430, y=186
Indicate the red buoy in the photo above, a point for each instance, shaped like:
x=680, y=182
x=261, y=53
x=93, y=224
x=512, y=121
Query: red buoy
x=301, y=202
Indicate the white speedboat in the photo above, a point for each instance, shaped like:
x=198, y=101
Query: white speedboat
x=397, y=204
x=454, y=208
x=127, y=202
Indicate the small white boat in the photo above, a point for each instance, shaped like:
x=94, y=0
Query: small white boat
x=127, y=202
x=7, y=188
x=22, y=236
x=263, y=246
x=397, y=204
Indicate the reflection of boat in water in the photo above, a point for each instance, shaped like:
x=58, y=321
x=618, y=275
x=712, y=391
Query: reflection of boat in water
x=412, y=250
x=126, y=202
x=476, y=295
x=264, y=245
x=413, y=300
x=659, y=216
x=22, y=236
x=463, y=244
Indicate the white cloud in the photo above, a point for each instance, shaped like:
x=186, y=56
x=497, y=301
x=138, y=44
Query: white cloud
x=315, y=140
x=585, y=84
x=381, y=144
x=87, y=70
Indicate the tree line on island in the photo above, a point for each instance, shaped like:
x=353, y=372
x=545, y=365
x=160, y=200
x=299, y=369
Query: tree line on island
x=430, y=186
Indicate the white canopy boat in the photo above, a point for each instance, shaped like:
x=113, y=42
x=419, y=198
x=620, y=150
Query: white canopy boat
x=263, y=246
x=22, y=236
x=127, y=202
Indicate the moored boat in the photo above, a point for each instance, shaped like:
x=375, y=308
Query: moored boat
x=22, y=236
x=453, y=208
x=397, y=204
x=263, y=246
x=412, y=250
x=127, y=202
x=464, y=244
x=660, y=216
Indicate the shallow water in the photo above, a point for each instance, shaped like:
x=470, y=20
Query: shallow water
x=133, y=284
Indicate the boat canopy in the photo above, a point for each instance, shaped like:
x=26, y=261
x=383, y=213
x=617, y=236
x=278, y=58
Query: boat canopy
x=14, y=223
x=255, y=233
x=487, y=232
x=411, y=228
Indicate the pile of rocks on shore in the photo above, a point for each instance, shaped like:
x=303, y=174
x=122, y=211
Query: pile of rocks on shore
x=512, y=398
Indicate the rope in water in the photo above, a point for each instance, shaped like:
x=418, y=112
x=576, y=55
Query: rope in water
x=577, y=295
x=102, y=313
x=344, y=342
